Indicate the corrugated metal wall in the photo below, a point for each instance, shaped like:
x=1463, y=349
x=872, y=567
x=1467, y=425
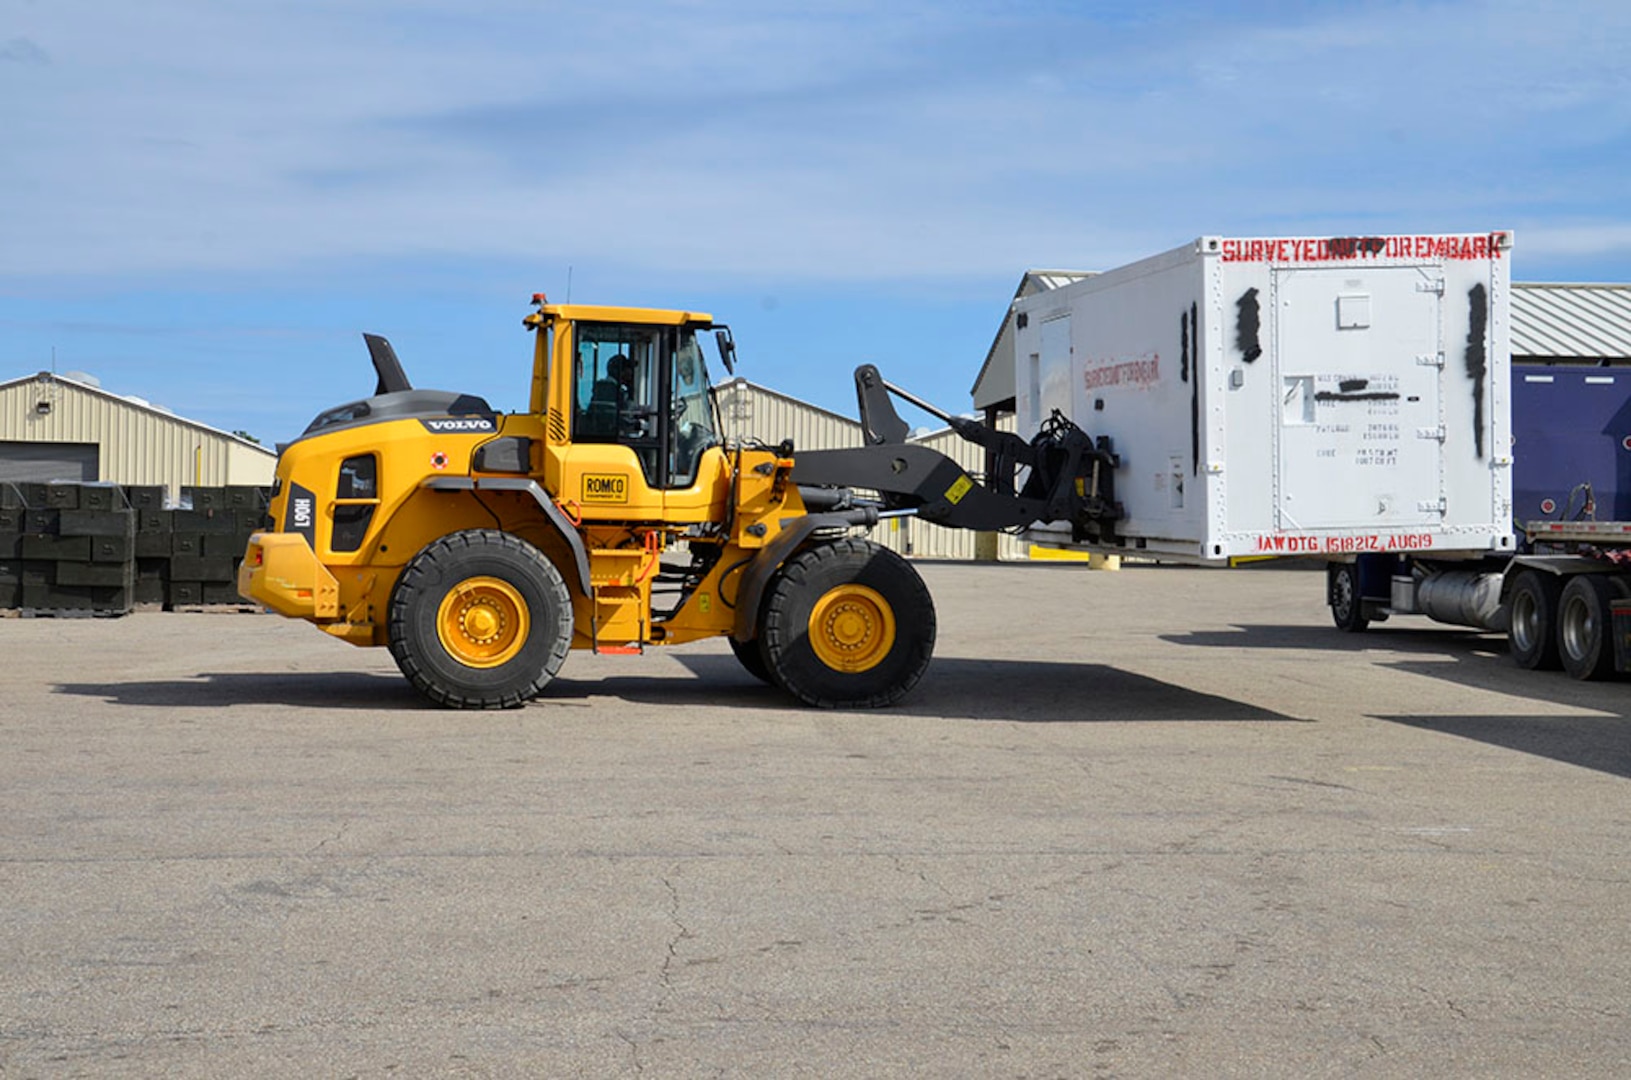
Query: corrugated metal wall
x=139, y=445
x=749, y=411
x=754, y=412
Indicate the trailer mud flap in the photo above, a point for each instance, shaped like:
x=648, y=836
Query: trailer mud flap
x=1621, y=617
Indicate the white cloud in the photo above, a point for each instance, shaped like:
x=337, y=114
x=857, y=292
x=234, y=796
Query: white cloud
x=778, y=140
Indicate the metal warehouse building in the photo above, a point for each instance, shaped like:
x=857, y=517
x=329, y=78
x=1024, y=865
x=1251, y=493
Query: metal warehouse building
x=750, y=411
x=58, y=427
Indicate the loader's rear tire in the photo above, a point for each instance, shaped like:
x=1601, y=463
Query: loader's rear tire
x=751, y=654
x=847, y=625
x=1585, y=621
x=1532, y=620
x=480, y=620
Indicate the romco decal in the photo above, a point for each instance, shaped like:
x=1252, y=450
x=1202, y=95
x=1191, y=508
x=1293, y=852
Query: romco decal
x=460, y=425
x=605, y=488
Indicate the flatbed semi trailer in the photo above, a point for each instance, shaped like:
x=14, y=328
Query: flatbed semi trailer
x=1563, y=595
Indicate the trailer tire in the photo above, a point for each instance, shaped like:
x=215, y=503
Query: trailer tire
x=751, y=654
x=1532, y=623
x=848, y=624
x=480, y=619
x=1342, y=592
x=1585, y=620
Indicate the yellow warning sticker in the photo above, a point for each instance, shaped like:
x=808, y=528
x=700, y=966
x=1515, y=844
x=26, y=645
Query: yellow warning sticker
x=955, y=493
x=605, y=488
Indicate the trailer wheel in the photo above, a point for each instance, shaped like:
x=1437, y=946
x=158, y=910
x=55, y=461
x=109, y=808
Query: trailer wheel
x=1342, y=591
x=1532, y=625
x=848, y=625
x=480, y=620
x=1585, y=635
x=751, y=654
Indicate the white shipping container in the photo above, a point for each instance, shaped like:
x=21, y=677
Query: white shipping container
x=1288, y=395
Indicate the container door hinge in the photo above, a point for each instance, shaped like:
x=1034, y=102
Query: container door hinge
x=1435, y=433
x=1435, y=286
x=1431, y=506
x=1430, y=360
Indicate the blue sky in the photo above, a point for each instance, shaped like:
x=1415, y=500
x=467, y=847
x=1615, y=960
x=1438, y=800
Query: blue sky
x=204, y=202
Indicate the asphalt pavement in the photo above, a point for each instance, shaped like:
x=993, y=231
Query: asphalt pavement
x=1160, y=822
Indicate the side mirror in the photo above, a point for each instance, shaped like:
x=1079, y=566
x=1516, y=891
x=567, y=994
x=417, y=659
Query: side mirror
x=727, y=348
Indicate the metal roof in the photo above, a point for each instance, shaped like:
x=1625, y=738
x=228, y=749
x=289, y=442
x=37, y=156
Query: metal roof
x=93, y=387
x=994, y=384
x=1588, y=322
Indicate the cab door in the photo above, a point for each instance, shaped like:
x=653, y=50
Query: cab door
x=614, y=469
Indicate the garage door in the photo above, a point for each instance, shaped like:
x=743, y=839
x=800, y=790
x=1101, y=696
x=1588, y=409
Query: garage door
x=48, y=461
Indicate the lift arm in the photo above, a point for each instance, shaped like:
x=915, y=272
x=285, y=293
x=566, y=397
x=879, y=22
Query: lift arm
x=1068, y=477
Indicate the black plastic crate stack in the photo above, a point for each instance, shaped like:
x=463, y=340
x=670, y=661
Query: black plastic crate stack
x=207, y=543
x=72, y=547
x=152, y=543
x=101, y=549
x=12, y=515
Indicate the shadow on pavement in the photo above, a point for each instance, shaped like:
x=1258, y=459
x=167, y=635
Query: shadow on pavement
x=1592, y=742
x=304, y=689
x=1425, y=638
x=971, y=689
x=1018, y=690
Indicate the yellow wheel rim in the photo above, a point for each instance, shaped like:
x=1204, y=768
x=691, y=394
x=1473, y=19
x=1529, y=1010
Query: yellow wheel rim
x=852, y=628
x=482, y=622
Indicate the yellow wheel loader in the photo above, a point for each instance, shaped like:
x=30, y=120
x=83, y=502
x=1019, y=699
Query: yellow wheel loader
x=481, y=547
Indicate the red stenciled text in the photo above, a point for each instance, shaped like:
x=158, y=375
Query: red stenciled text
x=1282, y=544
x=1142, y=372
x=1359, y=248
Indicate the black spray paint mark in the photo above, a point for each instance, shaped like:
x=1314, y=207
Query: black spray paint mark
x=1247, y=325
x=1357, y=395
x=1348, y=386
x=1477, y=363
x=1353, y=247
x=1195, y=392
x=1183, y=347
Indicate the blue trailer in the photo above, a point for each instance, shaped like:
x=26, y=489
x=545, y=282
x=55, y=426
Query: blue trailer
x=1564, y=597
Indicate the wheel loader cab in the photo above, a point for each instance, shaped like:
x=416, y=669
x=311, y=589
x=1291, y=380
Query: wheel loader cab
x=632, y=387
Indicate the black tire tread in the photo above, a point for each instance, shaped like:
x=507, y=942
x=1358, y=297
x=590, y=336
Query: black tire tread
x=1547, y=589
x=1599, y=663
x=779, y=627
x=451, y=550
x=1354, y=621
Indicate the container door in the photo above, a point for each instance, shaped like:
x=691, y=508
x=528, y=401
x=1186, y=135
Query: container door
x=1054, y=382
x=1358, y=360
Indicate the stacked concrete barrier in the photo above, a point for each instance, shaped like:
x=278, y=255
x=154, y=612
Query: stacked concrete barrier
x=102, y=549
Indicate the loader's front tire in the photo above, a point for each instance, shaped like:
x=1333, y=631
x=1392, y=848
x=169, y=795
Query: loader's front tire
x=480, y=619
x=847, y=625
x=752, y=658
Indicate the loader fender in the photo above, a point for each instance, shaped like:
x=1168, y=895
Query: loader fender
x=758, y=573
x=552, y=513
